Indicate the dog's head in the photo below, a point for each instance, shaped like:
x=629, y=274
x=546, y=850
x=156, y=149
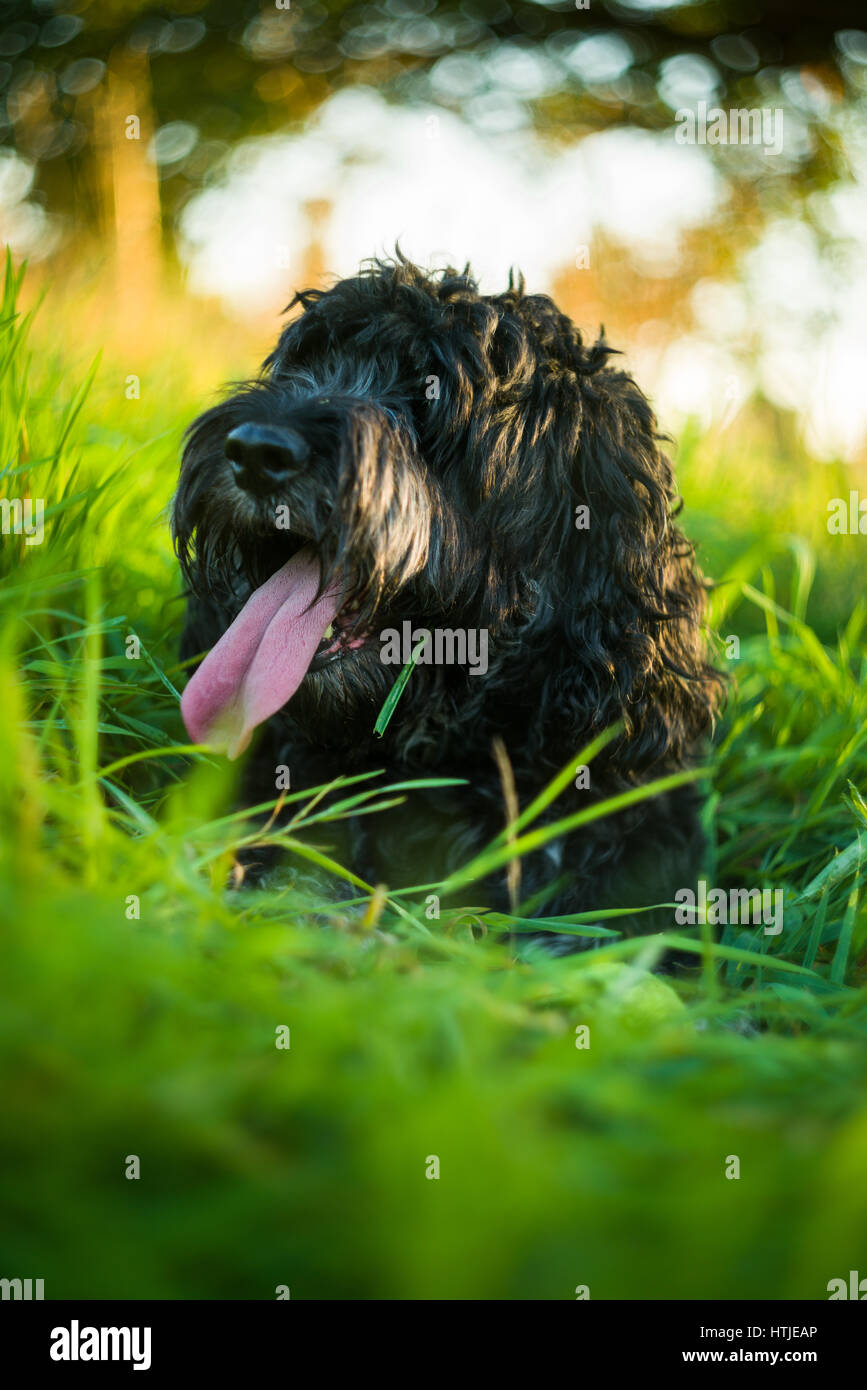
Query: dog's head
x=416, y=452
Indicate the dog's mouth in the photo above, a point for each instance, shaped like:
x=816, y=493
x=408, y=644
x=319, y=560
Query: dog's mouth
x=286, y=629
x=336, y=642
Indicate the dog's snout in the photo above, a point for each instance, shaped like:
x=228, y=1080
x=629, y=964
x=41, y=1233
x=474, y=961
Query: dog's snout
x=262, y=456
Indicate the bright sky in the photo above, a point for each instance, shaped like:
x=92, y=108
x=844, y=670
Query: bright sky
x=452, y=191
x=446, y=190
x=491, y=191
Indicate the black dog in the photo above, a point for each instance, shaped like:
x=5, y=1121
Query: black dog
x=417, y=453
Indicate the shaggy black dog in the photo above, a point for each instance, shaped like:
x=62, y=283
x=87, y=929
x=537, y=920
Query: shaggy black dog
x=416, y=453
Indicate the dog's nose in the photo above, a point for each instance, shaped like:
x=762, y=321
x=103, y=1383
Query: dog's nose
x=262, y=456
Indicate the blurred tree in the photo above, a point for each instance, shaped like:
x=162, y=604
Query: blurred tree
x=218, y=70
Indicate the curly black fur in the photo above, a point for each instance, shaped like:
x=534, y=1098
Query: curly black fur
x=459, y=512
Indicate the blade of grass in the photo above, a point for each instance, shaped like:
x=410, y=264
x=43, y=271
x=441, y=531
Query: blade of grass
x=390, y=705
x=497, y=854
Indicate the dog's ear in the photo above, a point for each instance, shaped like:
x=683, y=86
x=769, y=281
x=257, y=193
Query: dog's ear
x=633, y=595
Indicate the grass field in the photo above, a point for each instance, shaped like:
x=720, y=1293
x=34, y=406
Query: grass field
x=142, y=1002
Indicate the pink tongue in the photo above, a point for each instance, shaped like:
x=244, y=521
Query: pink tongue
x=261, y=660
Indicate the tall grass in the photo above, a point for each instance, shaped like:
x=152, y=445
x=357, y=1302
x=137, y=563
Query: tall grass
x=142, y=998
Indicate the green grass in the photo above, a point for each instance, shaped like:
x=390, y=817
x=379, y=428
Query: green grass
x=141, y=1001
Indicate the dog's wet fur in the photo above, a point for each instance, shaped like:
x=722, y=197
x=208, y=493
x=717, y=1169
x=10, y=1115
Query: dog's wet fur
x=439, y=442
